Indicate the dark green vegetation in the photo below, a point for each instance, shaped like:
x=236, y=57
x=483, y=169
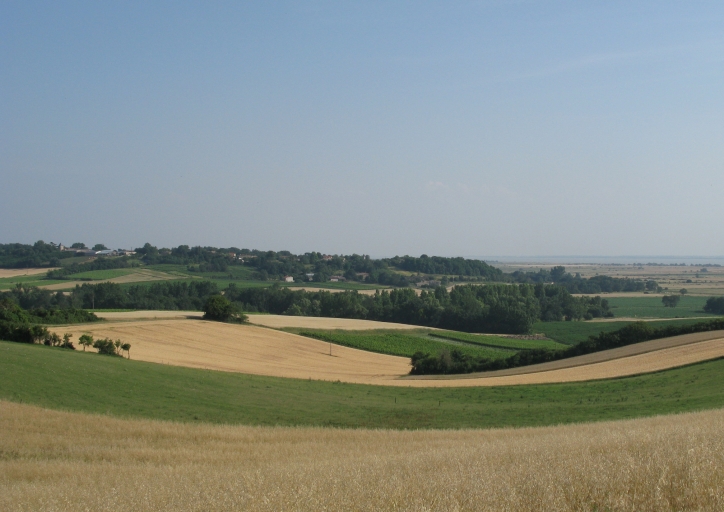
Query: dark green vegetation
x=111, y=385
x=578, y=284
x=76, y=270
x=400, y=343
x=570, y=333
x=653, y=307
x=455, y=362
x=221, y=309
x=714, y=305
x=39, y=254
x=497, y=341
x=17, y=324
x=493, y=308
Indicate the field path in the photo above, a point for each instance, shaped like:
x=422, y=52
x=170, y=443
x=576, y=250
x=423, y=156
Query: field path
x=261, y=351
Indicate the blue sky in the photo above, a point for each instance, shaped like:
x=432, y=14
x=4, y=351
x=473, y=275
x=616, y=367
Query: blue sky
x=451, y=128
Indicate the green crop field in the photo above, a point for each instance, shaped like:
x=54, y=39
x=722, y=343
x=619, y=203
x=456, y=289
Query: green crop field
x=570, y=333
x=497, y=341
x=398, y=343
x=6, y=283
x=652, y=307
x=88, y=382
x=103, y=275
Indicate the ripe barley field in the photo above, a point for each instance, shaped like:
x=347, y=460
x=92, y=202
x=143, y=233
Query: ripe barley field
x=62, y=461
x=256, y=350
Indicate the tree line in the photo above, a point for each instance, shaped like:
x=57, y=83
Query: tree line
x=101, y=263
x=456, y=362
x=578, y=284
x=491, y=308
x=25, y=326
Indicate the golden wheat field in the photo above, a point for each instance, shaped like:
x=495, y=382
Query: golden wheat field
x=312, y=322
x=262, y=351
x=59, y=461
x=15, y=272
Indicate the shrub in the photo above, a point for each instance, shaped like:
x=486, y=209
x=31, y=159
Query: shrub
x=221, y=309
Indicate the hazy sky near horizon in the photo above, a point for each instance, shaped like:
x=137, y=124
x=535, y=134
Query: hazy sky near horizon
x=450, y=128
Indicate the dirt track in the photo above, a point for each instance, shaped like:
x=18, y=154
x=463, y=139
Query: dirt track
x=261, y=351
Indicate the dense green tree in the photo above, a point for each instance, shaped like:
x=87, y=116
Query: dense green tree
x=670, y=301
x=715, y=305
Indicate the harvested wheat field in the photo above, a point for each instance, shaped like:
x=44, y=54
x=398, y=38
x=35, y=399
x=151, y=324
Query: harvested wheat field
x=246, y=349
x=261, y=351
x=118, y=316
x=314, y=322
x=15, y=272
x=70, y=461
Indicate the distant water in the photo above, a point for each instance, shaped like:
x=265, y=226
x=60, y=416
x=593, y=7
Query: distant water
x=610, y=260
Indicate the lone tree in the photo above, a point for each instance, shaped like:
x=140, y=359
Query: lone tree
x=86, y=340
x=670, y=301
x=221, y=309
x=127, y=348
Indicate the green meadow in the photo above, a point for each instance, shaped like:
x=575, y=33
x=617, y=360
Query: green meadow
x=88, y=382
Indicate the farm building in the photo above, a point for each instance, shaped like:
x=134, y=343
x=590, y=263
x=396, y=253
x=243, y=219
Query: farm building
x=288, y=279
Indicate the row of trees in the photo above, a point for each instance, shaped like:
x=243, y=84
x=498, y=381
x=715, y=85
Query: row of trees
x=491, y=308
x=454, y=361
x=714, y=305
x=97, y=264
x=577, y=284
x=39, y=254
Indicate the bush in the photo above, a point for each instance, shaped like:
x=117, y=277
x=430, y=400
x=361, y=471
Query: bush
x=221, y=309
x=715, y=305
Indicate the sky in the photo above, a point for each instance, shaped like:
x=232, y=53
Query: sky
x=473, y=128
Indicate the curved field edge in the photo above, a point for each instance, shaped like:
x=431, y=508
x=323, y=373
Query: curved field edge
x=72, y=381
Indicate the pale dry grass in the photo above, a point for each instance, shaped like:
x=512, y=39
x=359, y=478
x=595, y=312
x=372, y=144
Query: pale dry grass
x=314, y=322
x=15, y=272
x=261, y=351
x=118, y=316
x=57, y=461
x=246, y=349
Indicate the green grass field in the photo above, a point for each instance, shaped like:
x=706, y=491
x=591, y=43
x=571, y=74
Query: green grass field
x=103, y=275
x=652, y=307
x=497, y=341
x=570, y=333
x=397, y=343
x=88, y=382
x=7, y=283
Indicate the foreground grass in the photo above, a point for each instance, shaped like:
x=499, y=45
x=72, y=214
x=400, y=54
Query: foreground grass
x=60, y=461
x=401, y=343
x=88, y=382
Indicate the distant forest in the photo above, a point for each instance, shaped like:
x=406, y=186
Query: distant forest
x=494, y=308
x=400, y=271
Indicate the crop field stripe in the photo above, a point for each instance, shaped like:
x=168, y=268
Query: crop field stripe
x=401, y=343
x=498, y=342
